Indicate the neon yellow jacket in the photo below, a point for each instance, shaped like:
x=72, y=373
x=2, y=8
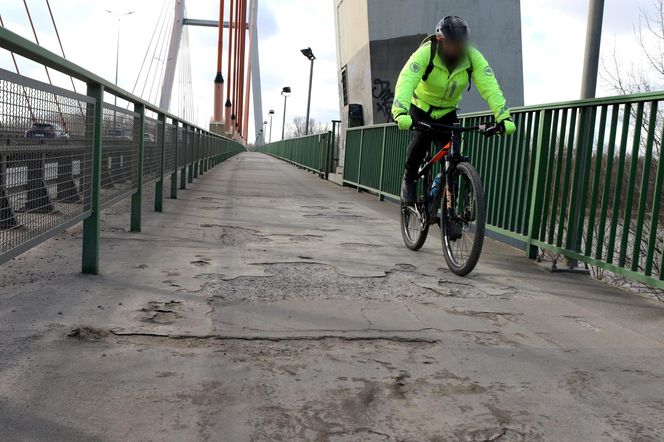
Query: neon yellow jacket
x=443, y=90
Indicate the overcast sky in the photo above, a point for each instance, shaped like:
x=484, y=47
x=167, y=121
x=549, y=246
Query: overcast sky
x=553, y=43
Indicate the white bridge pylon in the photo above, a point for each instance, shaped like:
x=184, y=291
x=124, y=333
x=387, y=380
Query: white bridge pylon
x=179, y=22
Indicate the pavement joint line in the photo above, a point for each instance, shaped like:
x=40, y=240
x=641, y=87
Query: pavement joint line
x=313, y=337
x=91, y=334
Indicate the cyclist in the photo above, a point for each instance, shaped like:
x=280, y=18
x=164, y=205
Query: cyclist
x=430, y=87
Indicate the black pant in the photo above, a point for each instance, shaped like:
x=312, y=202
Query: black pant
x=421, y=141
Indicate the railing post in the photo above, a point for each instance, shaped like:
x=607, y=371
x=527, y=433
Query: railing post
x=381, y=196
x=137, y=196
x=330, y=155
x=205, y=148
x=197, y=152
x=159, y=187
x=190, y=177
x=174, y=175
x=183, y=171
x=203, y=154
x=577, y=211
x=92, y=224
x=359, y=160
x=539, y=180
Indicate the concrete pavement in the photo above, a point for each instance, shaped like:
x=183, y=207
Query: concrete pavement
x=266, y=304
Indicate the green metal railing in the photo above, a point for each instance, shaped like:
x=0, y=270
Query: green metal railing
x=65, y=156
x=583, y=179
x=313, y=152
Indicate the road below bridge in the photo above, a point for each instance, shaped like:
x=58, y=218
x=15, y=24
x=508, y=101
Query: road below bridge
x=266, y=304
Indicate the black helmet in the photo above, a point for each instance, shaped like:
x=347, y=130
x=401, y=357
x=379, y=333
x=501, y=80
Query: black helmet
x=453, y=28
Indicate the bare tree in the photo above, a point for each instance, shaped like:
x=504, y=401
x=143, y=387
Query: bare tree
x=297, y=127
x=649, y=34
x=645, y=77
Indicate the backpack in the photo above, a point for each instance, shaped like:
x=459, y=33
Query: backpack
x=434, y=49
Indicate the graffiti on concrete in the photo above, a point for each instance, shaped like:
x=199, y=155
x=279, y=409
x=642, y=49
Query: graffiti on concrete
x=383, y=97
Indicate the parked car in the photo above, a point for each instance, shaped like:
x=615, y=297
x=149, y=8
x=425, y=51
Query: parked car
x=42, y=131
x=119, y=134
x=149, y=138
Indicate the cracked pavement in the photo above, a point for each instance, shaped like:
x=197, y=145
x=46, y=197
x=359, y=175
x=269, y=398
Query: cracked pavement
x=266, y=304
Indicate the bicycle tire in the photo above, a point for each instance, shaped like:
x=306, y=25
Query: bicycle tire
x=463, y=269
x=416, y=243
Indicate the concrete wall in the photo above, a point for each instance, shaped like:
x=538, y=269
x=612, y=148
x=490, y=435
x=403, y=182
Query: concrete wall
x=353, y=52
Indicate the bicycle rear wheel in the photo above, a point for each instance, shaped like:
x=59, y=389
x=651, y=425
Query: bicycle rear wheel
x=462, y=231
x=414, y=225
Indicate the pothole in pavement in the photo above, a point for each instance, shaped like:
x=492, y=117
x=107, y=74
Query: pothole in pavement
x=333, y=215
x=239, y=236
x=295, y=237
x=234, y=236
x=317, y=281
x=161, y=312
x=360, y=245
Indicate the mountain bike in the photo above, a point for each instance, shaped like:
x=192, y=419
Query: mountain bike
x=456, y=193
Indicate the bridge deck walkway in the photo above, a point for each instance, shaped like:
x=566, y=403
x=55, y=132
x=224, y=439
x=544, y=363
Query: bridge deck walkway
x=266, y=304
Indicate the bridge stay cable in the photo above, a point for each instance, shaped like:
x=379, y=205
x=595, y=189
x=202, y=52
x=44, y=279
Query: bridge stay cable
x=156, y=56
x=62, y=50
x=48, y=73
x=147, y=50
x=18, y=71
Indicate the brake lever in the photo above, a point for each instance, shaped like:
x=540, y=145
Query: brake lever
x=421, y=125
x=489, y=131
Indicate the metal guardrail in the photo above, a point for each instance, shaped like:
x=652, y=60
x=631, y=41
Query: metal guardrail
x=583, y=179
x=313, y=152
x=65, y=156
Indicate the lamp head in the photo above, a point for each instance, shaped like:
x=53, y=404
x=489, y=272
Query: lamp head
x=308, y=53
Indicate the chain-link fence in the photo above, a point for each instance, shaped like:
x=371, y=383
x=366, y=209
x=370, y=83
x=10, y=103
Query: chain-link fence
x=64, y=156
x=120, y=153
x=170, y=148
x=152, y=150
x=45, y=159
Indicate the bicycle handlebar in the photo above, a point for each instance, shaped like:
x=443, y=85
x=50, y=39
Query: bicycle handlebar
x=485, y=129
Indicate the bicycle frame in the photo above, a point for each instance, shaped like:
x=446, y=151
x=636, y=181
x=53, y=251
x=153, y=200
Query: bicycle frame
x=452, y=151
x=451, y=155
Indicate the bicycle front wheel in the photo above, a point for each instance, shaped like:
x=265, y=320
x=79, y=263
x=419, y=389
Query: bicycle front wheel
x=464, y=218
x=414, y=226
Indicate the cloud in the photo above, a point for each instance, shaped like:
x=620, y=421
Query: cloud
x=554, y=33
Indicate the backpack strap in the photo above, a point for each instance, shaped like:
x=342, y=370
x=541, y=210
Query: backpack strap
x=434, y=49
x=469, y=71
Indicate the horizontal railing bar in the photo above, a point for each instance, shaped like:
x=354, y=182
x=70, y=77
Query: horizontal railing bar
x=602, y=101
x=35, y=84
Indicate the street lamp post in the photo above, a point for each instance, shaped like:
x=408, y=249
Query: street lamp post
x=264, y=131
x=119, y=17
x=310, y=55
x=286, y=91
x=271, y=115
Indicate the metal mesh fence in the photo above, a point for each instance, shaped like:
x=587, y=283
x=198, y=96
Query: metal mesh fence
x=190, y=147
x=170, y=148
x=120, y=153
x=181, y=148
x=152, y=149
x=45, y=160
